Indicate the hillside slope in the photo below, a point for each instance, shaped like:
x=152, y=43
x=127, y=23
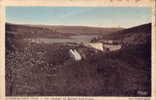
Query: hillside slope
x=134, y=35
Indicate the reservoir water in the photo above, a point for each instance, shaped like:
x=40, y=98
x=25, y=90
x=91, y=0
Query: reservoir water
x=74, y=38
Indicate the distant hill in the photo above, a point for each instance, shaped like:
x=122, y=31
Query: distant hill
x=80, y=29
x=134, y=35
x=56, y=31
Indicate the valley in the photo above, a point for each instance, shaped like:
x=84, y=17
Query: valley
x=114, y=61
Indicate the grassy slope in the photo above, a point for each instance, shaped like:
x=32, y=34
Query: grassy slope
x=118, y=73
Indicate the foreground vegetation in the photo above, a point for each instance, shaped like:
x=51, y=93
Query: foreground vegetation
x=49, y=70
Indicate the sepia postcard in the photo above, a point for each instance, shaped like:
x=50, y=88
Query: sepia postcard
x=77, y=50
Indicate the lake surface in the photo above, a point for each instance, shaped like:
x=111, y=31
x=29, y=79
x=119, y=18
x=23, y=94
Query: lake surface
x=74, y=38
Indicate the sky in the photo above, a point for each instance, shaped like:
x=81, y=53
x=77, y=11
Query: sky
x=80, y=16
